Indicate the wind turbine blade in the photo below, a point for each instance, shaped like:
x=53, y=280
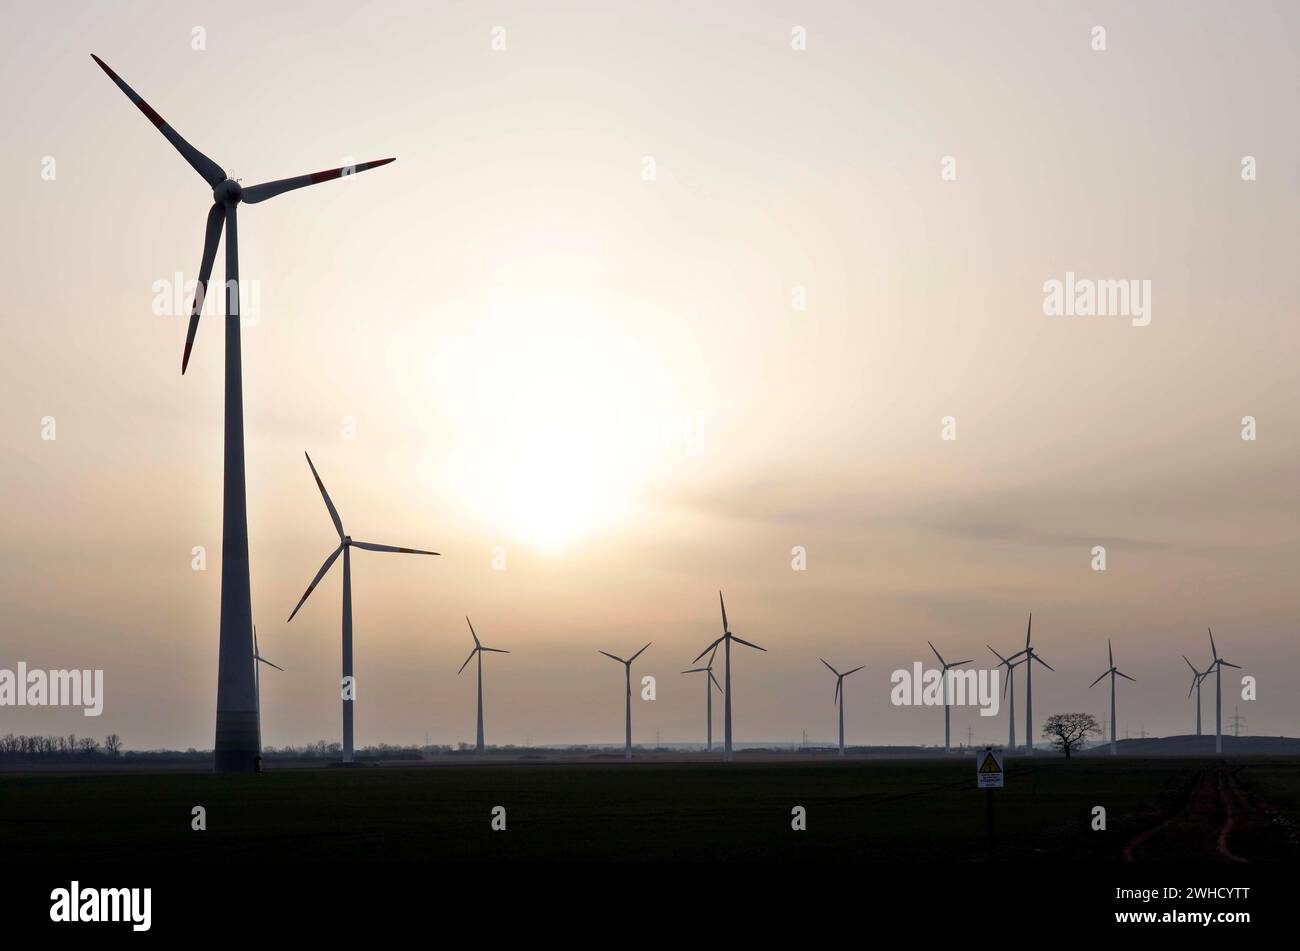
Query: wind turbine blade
x=268, y=663
x=211, y=238
x=1029, y=631
x=724, y=612
x=937, y=654
x=255, y=650
x=467, y=660
x=639, y=653
x=998, y=656
x=612, y=657
x=836, y=698
x=1124, y=675
x=1110, y=653
x=1044, y=663
x=1214, y=652
x=1192, y=687
x=334, y=514
x=707, y=649
x=829, y=667
x=494, y=650
x=1006, y=683
x=315, y=581
x=1226, y=664
x=715, y=682
x=747, y=644
x=471, y=631
x=1189, y=664
x=853, y=671
x=958, y=663
x=210, y=170
x=1095, y=682
x=371, y=546
x=270, y=189
x=696, y=670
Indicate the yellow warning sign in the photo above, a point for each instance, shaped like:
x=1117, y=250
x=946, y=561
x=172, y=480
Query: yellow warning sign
x=988, y=769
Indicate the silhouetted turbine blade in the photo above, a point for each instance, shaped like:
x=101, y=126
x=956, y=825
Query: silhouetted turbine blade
x=837, y=690
x=467, y=660
x=471, y=631
x=937, y=654
x=853, y=671
x=211, y=238
x=696, y=670
x=1044, y=663
x=371, y=546
x=315, y=581
x=639, y=653
x=1124, y=675
x=334, y=514
x=1226, y=664
x=1110, y=652
x=740, y=640
x=715, y=682
x=723, y=604
x=210, y=170
x=1213, y=652
x=494, y=650
x=829, y=667
x=1094, y=683
x=612, y=657
x=958, y=663
x=1189, y=664
x=270, y=189
x=707, y=649
x=267, y=662
x=998, y=656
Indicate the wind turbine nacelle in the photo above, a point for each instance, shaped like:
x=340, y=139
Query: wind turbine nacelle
x=228, y=192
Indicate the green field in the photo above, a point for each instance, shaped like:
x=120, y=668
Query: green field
x=863, y=810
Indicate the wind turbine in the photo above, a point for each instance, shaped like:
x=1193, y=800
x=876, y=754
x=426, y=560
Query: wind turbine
x=627, y=666
x=839, y=694
x=1217, y=667
x=257, y=683
x=1113, y=672
x=1010, y=663
x=346, y=544
x=943, y=683
x=237, y=743
x=1197, y=677
x=725, y=640
x=1030, y=654
x=478, y=649
x=709, y=683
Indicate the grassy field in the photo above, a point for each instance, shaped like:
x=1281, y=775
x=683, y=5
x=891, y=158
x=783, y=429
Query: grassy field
x=865, y=810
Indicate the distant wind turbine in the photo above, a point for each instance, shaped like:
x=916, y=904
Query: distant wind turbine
x=478, y=649
x=1030, y=655
x=709, y=683
x=1197, y=677
x=627, y=666
x=346, y=544
x=1217, y=667
x=237, y=744
x=943, y=683
x=725, y=640
x=257, y=682
x=1011, y=666
x=839, y=694
x=1113, y=672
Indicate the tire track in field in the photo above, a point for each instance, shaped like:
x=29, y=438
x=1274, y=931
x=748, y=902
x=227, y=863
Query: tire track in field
x=1198, y=828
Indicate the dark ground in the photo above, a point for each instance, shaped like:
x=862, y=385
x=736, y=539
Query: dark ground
x=875, y=810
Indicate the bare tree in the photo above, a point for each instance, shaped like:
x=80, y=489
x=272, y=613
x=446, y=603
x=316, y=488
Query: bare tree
x=112, y=744
x=1068, y=730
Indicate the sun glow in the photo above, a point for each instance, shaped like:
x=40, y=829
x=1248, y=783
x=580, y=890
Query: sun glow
x=557, y=417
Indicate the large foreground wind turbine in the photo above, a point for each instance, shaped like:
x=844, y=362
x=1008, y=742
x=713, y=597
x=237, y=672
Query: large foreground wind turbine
x=943, y=683
x=1217, y=667
x=1030, y=655
x=478, y=649
x=627, y=667
x=346, y=544
x=1010, y=664
x=709, y=683
x=839, y=694
x=1197, y=677
x=257, y=682
x=1113, y=672
x=725, y=640
x=237, y=743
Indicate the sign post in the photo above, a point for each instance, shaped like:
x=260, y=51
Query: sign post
x=989, y=776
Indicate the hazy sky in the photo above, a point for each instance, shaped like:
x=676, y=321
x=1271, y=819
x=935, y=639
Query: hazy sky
x=604, y=376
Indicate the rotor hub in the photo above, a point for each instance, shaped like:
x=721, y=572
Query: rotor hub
x=228, y=192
